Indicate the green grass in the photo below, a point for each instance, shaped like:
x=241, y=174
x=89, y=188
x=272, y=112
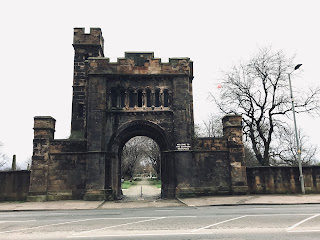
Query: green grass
x=156, y=182
x=127, y=184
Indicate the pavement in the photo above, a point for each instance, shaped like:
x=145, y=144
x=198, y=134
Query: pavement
x=150, y=197
x=191, y=202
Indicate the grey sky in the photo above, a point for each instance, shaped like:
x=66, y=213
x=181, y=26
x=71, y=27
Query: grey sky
x=37, y=53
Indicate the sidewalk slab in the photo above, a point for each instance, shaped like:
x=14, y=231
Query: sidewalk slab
x=252, y=199
x=191, y=202
x=52, y=205
x=142, y=204
x=286, y=199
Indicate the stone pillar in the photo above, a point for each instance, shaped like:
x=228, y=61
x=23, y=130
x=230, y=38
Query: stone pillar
x=152, y=99
x=232, y=130
x=126, y=99
x=14, y=163
x=44, y=128
x=144, y=99
x=96, y=145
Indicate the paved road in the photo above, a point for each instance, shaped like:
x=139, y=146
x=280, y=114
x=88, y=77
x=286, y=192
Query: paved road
x=223, y=222
x=142, y=191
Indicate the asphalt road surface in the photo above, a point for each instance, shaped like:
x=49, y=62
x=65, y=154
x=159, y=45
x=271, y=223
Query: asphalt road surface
x=227, y=222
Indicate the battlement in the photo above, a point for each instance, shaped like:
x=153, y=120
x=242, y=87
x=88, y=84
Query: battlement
x=140, y=63
x=93, y=38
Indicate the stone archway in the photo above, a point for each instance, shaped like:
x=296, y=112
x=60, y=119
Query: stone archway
x=116, y=143
x=115, y=101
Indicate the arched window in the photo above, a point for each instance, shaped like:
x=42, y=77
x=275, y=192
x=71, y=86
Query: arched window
x=113, y=98
x=148, y=92
x=80, y=110
x=131, y=98
x=157, y=98
x=166, y=98
x=140, y=98
x=122, y=98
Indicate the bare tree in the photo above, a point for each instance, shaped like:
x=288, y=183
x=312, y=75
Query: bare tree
x=132, y=153
x=197, y=131
x=3, y=158
x=259, y=91
x=213, y=126
x=286, y=153
x=153, y=156
x=140, y=151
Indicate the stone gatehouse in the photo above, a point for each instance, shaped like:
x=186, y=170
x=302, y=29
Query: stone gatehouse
x=114, y=101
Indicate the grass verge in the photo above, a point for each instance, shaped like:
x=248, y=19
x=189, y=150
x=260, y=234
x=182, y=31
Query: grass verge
x=156, y=182
x=127, y=184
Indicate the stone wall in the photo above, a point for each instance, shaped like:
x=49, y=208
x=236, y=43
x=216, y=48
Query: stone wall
x=211, y=174
x=282, y=179
x=66, y=170
x=14, y=185
x=58, y=169
x=218, y=163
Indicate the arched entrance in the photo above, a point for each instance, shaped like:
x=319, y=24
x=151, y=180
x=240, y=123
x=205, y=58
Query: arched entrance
x=140, y=170
x=115, y=146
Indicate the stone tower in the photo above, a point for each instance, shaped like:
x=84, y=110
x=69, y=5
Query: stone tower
x=85, y=45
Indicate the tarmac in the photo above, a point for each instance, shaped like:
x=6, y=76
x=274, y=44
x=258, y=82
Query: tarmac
x=163, y=203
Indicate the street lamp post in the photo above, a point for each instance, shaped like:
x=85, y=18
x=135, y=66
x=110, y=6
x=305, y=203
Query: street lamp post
x=296, y=131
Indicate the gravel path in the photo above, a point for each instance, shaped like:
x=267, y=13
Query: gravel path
x=149, y=192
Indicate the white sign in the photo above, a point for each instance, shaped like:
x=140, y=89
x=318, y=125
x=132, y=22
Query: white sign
x=183, y=146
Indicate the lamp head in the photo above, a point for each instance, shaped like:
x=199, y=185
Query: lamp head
x=296, y=67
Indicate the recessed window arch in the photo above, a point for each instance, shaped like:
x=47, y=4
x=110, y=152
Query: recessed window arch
x=122, y=98
x=131, y=98
x=157, y=98
x=166, y=98
x=148, y=95
x=113, y=97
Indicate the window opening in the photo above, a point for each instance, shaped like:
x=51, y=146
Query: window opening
x=148, y=98
x=131, y=98
x=157, y=98
x=113, y=98
x=165, y=98
x=80, y=110
x=122, y=98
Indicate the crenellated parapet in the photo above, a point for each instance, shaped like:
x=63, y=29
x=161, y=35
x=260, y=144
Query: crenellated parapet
x=142, y=63
x=93, y=38
x=211, y=144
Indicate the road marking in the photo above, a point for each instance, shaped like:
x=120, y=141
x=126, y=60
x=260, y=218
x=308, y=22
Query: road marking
x=164, y=210
x=297, y=224
x=17, y=221
x=215, y=224
x=76, y=221
x=119, y=225
x=279, y=214
x=140, y=235
x=262, y=208
x=304, y=231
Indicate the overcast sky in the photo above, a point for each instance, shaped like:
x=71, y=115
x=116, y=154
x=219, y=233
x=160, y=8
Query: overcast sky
x=37, y=53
